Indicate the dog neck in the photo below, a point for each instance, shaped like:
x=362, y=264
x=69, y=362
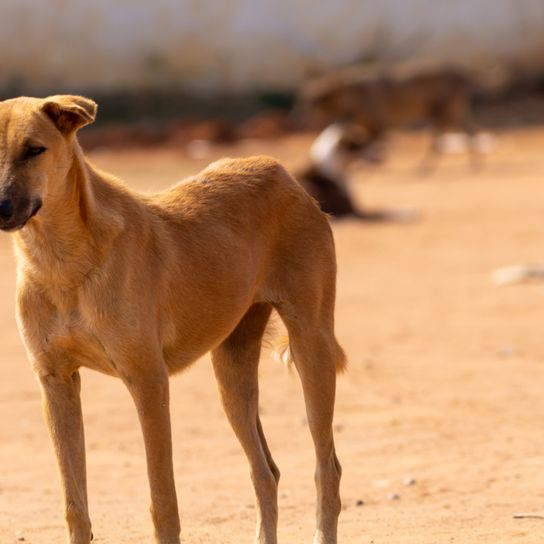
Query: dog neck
x=60, y=245
x=325, y=156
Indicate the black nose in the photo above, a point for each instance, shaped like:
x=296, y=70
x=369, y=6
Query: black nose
x=6, y=209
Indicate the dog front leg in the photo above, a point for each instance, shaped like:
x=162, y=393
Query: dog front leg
x=151, y=397
x=63, y=417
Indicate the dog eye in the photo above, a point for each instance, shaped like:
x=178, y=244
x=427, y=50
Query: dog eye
x=33, y=151
x=353, y=146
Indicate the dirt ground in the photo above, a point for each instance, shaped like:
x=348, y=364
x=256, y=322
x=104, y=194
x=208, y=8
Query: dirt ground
x=440, y=417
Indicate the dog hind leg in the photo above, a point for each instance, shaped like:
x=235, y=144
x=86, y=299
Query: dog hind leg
x=317, y=358
x=235, y=363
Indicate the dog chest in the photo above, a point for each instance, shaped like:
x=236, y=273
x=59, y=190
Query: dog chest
x=80, y=348
x=59, y=339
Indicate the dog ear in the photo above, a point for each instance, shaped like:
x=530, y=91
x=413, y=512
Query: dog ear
x=69, y=113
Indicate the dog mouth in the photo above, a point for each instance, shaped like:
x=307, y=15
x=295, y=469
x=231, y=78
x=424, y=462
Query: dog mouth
x=13, y=226
x=35, y=208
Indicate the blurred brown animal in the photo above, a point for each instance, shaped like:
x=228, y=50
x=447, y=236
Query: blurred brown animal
x=139, y=287
x=380, y=99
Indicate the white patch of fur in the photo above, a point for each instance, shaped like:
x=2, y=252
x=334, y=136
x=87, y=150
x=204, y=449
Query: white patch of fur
x=326, y=155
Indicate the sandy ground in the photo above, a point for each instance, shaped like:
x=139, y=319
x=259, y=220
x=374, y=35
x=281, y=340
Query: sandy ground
x=444, y=388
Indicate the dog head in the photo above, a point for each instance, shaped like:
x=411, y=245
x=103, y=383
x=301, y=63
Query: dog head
x=357, y=143
x=342, y=144
x=36, y=151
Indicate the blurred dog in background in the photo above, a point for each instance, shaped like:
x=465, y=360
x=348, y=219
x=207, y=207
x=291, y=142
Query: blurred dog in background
x=325, y=176
x=380, y=99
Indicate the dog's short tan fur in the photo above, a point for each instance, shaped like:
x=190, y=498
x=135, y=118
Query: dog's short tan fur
x=139, y=287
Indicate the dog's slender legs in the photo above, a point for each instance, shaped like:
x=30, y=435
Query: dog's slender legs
x=430, y=159
x=475, y=155
x=235, y=363
x=315, y=360
x=151, y=397
x=62, y=412
x=273, y=467
x=308, y=313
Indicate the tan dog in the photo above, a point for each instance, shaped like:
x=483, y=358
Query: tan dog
x=380, y=99
x=138, y=287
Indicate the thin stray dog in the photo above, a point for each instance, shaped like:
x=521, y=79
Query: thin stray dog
x=380, y=99
x=138, y=287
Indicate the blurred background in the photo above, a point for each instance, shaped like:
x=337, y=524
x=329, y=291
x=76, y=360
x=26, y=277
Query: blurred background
x=429, y=150
x=177, y=57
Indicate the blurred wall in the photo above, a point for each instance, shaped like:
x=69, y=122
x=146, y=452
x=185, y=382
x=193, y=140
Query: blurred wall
x=244, y=44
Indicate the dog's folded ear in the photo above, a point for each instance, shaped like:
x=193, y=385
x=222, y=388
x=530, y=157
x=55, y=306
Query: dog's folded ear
x=69, y=113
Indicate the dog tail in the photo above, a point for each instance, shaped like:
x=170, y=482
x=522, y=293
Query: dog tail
x=341, y=359
x=283, y=352
x=285, y=355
